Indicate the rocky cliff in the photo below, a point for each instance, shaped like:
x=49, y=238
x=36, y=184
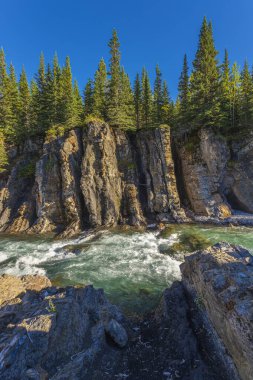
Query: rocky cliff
x=201, y=330
x=99, y=176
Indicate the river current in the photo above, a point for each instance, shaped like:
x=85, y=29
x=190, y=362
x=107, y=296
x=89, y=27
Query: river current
x=128, y=265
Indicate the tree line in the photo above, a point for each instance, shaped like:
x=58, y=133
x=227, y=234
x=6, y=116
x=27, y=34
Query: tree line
x=213, y=95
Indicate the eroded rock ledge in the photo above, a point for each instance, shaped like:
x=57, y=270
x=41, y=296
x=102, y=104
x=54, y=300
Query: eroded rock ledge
x=201, y=330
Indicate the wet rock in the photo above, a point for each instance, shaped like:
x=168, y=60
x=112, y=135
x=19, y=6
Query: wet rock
x=116, y=332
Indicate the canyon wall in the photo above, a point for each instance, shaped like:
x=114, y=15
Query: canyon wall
x=99, y=176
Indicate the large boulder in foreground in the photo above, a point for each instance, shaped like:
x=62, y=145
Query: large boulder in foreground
x=220, y=280
x=55, y=333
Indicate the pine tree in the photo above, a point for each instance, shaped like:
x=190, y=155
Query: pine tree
x=235, y=97
x=226, y=95
x=34, y=109
x=41, y=101
x=167, y=106
x=57, y=91
x=49, y=97
x=147, y=101
x=183, y=99
x=3, y=154
x=204, y=87
x=157, y=109
x=77, y=106
x=25, y=99
x=113, y=100
x=246, y=100
x=67, y=111
x=137, y=100
x=88, y=98
x=5, y=105
x=126, y=114
x=99, y=96
x=13, y=98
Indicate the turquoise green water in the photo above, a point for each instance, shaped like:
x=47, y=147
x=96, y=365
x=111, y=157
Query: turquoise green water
x=129, y=266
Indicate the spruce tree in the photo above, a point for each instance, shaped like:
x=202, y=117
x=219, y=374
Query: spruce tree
x=147, y=101
x=77, y=106
x=246, y=100
x=226, y=95
x=6, y=126
x=13, y=99
x=235, y=97
x=67, y=111
x=205, y=106
x=3, y=154
x=183, y=100
x=41, y=101
x=167, y=106
x=113, y=100
x=34, y=109
x=126, y=114
x=137, y=100
x=57, y=91
x=99, y=96
x=24, y=110
x=88, y=98
x=158, y=95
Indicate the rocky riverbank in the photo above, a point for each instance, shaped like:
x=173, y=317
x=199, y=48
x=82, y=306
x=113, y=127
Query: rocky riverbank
x=99, y=176
x=201, y=330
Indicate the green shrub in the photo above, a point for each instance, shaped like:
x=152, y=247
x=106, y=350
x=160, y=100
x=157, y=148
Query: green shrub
x=55, y=131
x=28, y=170
x=92, y=119
x=3, y=155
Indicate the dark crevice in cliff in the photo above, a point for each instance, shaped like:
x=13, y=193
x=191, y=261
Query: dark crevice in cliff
x=184, y=199
x=142, y=184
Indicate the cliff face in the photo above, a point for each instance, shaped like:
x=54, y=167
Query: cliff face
x=91, y=177
x=99, y=176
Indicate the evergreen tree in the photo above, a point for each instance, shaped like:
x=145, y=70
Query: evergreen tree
x=3, y=154
x=226, y=94
x=246, y=101
x=49, y=97
x=67, y=110
x=147, y=101
x=34, y=108
x=235, y=97
x=137, y=100
x=205, y=106
x=5, y=105
x=13, y=98
x=24, y=110
x=57, y=92
x=183, y=99
x=158, y=98
x=113, y=101
x=88, y=98
x=167, y=106
x=41, y=101
x=126, y=114
x=77, y=105
x=99, y=96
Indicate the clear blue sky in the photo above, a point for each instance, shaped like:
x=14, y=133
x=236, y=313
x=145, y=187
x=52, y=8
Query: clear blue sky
x=150, y=32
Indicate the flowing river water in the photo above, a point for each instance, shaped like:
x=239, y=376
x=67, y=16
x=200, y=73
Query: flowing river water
x=128, y=265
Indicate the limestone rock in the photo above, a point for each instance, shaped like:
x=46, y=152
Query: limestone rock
x=203, y=170
x=221, y=278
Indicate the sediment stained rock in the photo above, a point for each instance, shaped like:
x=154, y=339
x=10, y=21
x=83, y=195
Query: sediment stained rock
x=203, y=170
